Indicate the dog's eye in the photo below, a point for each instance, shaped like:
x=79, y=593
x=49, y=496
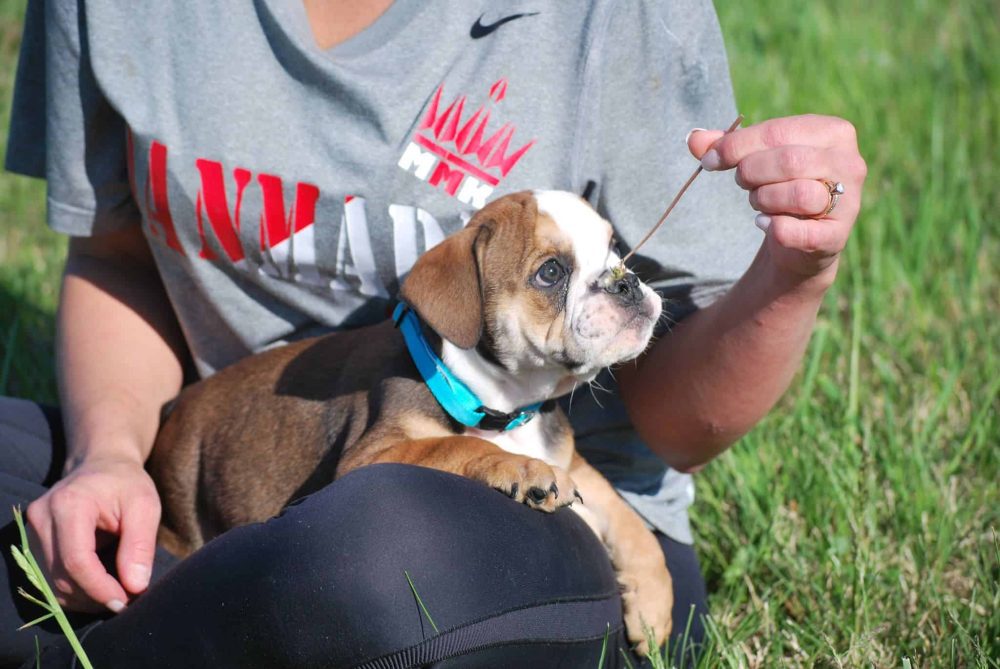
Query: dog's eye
x=549, y=274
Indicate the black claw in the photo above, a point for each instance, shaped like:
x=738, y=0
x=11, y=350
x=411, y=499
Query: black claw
x=513, y=490
x=554, y=489
x=537, y=495
x=576, y=493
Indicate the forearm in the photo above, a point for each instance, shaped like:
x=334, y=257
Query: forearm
x=706, y=383
x=118, y=349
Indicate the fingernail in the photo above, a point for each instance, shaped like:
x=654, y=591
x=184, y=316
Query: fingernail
x=115, y=605
x=691, y=132
x=762, y=221
x=711, y=160
x=139, y=574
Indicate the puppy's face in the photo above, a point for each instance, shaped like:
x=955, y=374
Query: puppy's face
x=546, y=304
x=522, y=283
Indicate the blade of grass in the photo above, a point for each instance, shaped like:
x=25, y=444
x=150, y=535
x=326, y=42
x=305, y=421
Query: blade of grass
x=31, y=598
x=656, y=653
x=39, y=619
x=26, y=561
x=818, y=346
x=687, y=633
x=604, y=648
x=854, y=386
x=420, y=601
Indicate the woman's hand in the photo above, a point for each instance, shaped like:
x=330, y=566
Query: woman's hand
x=111, y=495
x=784, y=162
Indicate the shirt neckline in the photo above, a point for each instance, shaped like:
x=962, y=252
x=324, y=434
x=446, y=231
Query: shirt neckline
x=389, y=24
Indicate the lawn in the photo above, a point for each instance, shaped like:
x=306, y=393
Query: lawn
x=859, y=524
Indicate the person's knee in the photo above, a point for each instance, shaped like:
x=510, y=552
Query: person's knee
x=388, y=548
x=388, y=514
x=425, y=514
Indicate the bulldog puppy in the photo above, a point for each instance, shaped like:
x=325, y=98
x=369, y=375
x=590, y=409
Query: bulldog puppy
x=518, y=309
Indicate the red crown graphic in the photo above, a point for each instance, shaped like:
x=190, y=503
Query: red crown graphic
x=448, y=126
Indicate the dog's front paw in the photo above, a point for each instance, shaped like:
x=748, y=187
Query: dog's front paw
x=647, y=600
x=527, y=480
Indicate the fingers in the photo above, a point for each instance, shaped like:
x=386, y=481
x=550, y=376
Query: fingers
x=802, y=197
x=137, y=546
x=784, y=164
x=700, y=140
x=820, y=239
x=108, y=495
x=75, y=564
x=789, y=180
x=806, y=130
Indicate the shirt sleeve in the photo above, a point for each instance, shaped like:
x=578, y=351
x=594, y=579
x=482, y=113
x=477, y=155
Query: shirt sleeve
x=661, y=71
x=63, y=129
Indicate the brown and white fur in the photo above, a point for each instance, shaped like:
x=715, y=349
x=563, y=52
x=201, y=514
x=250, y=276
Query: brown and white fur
x=238, y=446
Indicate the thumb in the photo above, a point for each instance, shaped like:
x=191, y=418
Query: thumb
x=700, y=140
x=137, y=543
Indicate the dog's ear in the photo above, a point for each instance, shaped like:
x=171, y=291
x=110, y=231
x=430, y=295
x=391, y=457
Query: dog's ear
x=443, y=287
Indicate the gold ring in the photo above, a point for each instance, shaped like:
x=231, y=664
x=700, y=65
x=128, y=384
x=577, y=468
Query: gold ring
x=836, y=189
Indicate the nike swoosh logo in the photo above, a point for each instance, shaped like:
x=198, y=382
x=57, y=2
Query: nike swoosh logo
x=479, y=30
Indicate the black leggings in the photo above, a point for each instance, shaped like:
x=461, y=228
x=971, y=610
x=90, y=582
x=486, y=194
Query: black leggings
x=325, y=583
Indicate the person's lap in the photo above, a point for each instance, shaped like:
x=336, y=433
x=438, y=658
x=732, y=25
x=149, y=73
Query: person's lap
x=325, y=583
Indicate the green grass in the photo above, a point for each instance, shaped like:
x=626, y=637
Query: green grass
x=857, y=525
x=30, y=255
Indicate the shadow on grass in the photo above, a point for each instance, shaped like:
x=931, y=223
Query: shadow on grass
x=27, y=347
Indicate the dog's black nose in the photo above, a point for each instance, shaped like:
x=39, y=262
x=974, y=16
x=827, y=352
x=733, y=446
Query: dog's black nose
x=626, y=289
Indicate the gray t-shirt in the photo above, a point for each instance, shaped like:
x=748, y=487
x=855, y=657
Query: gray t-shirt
x=285, y=189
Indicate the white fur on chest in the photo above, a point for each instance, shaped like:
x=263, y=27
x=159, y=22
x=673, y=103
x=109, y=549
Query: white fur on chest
x=498, y=389
x=528, y=440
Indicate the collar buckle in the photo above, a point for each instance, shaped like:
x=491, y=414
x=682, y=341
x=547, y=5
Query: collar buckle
x=500, y=421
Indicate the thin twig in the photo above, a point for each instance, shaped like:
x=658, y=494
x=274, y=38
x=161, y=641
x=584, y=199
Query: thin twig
x=673, y=203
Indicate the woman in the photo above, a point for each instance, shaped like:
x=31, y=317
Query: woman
x=238, y=177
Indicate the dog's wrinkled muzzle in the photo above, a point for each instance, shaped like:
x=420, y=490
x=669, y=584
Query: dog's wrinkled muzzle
x=625, y=288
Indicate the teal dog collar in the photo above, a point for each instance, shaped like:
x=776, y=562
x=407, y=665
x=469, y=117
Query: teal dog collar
x=453, y=395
